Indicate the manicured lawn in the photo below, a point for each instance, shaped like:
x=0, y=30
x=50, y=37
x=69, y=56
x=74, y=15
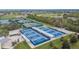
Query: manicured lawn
x=22, y=45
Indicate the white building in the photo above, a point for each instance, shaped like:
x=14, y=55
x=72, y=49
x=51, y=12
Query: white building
x=15, y=36
x=14, y=32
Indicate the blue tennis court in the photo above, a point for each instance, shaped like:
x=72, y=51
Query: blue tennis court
x=34, y=37
x=51, y=31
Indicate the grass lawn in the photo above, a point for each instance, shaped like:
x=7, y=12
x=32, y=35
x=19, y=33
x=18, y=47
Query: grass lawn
x=57, y=43
x=3, y=32
x=75, y=45
x=44, y=46
x=22, y=45
x=7, y=16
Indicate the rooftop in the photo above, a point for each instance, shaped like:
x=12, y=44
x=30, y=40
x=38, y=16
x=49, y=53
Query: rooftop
x=3, y=40
x=14, y=32
x=4, y=22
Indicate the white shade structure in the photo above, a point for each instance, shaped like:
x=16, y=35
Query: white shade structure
x=47, y=34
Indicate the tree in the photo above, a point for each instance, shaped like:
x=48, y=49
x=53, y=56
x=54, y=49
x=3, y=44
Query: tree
x=78, y=36
x=13, y=43
x=18, y=40
x=73, y=39
x=65, y=16
x=55, y=47
x=61, y=39
x=65, y=45
x=51, y=44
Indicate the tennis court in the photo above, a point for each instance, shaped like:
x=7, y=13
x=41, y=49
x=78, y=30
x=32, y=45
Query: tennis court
x=52, y=31
x=34, y=37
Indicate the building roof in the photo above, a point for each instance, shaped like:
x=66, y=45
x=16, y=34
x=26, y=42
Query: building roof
x=4, y=22
x=14, y=32
x=73, y=18
x=32, y=24
x=3, y=39
x=77, y=33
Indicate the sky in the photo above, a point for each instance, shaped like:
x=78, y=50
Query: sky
x=39, y=4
